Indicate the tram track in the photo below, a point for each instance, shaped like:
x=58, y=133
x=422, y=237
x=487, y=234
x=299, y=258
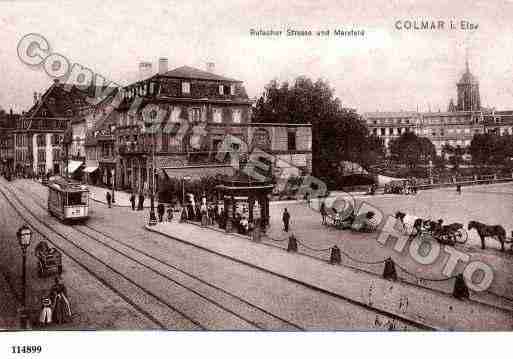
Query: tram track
x=77, y=228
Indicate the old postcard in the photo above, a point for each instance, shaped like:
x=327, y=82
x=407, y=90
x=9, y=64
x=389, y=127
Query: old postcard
x=282, y=166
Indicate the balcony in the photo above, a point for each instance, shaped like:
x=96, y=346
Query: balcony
x=134, y=149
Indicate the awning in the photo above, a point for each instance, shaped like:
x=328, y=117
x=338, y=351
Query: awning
x=73, y=166
x=90, y=169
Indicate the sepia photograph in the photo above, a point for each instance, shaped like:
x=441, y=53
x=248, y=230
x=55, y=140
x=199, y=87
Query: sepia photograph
x=236, y=167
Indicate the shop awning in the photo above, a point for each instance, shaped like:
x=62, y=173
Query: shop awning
x=73, y=166
x=90, y=169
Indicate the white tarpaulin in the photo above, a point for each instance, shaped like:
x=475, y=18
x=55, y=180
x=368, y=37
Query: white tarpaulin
x=73, y=166
x=382, y=180
x=90, y=169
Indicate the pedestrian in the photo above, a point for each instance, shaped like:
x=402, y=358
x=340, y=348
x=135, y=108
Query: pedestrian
x=458, y=188
x=61, y=311
x=169, y=213
x=286, y=220
x=109, y=199
x=45, y=317
x=161, y=210
x=140, y=205
x=132, y=201
x=323, y=212
x=307, y=198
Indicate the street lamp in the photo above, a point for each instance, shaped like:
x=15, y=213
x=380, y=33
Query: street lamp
x=113, y=171
x=24, y=236
x=150, y=118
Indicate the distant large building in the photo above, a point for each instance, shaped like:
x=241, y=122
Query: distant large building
x=455, y=127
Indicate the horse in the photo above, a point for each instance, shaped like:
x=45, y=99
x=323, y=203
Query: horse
x=411, y=224
x=485, y=230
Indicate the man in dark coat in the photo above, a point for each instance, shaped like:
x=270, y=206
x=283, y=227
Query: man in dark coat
x=140, y=205
x=108, y=196
x=132, y=201
x=286, y=220
x=161, y=210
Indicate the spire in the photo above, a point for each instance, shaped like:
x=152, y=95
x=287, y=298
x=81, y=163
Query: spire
x=466, y=61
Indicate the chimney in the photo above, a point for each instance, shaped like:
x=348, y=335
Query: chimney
x=211, y=66
x=36, y=98
x=144, y=70
x=163, y=65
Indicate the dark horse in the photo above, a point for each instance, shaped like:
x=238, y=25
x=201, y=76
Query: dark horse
x=489, y=231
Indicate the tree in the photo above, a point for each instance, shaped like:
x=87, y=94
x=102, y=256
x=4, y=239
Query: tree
x=337, y=132
x=411, y=150
x=490, y=149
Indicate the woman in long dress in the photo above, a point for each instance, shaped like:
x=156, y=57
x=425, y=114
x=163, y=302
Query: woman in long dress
x=61, y=307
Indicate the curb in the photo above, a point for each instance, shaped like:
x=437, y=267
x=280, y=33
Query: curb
x=422, y=326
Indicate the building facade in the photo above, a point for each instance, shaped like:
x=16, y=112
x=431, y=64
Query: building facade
x=195, y=111
x=454, y=127
x=39, y=134
x=7, y=125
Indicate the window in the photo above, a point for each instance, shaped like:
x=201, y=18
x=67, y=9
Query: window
x=186, y=87
x=232, y=90
x=382, y=132
x=291, y=140
x=236, y=115
x=195, y=114
x=221, y=90
x=217, y=115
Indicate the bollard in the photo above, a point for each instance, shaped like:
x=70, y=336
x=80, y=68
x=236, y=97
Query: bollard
x=335, y=257
x=460, y=288
x=389, y=270
x=292, y=247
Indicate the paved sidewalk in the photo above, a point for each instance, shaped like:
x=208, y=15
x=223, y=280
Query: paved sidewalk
x=122, y=199
x=424, y=306
x=8, y=306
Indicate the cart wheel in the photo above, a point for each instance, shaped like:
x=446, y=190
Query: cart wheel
x=461, y=236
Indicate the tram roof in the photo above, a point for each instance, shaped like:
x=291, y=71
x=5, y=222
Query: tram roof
x=62, y=184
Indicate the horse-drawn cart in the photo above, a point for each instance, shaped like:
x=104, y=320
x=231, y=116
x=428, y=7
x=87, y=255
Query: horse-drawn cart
x=49, y=260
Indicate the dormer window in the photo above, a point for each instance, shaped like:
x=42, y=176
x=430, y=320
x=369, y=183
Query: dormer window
x=221, y=90
x=186, y=87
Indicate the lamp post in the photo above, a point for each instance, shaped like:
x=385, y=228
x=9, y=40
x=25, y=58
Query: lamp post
x=24, y=236
x=113, y=171
x=149, y=121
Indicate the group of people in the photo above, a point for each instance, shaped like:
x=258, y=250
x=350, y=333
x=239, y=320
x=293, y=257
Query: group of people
x=56, y=308
x=408, y=186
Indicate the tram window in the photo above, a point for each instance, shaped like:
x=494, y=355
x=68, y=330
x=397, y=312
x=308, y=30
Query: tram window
x=77, y=198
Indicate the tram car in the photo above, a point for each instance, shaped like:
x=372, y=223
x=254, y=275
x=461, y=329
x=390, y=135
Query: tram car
x=68, y=200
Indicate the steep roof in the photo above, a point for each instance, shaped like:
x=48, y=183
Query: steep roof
x=188, y=72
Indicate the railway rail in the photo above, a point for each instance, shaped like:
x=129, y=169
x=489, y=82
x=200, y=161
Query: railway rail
x=83, y=230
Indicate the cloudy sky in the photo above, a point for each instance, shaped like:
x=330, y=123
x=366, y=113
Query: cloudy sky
x=386, y=70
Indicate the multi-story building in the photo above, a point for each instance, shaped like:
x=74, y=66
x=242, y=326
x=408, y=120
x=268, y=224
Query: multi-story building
x=455, y=127
x=38, y=137
x=101, y=154
x=7, y=126
x=196, y=110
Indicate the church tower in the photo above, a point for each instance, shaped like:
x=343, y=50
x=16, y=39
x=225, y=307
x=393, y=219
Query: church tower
x=468, y=92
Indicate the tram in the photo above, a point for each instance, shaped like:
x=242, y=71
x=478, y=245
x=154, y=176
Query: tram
x=68, y=200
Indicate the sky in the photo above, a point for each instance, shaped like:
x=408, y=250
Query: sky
x=385, y=70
